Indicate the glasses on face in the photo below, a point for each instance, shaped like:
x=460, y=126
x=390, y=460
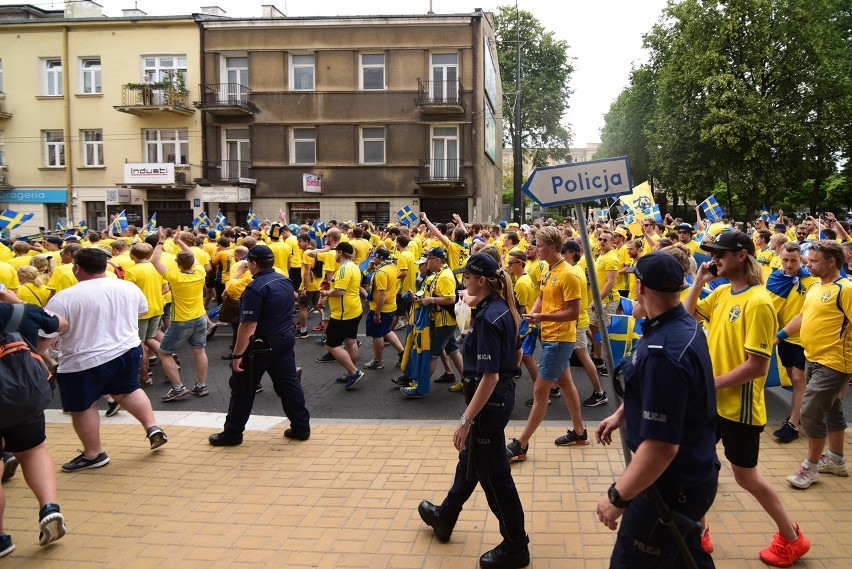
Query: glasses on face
x=720, y=254
x=683, y=233
x=603, y=240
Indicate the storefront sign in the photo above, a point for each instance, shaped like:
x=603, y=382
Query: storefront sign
x=34, y=196
x=226, y=194
x=149, y=173
x=312, y=183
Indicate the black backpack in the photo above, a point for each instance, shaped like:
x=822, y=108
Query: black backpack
x=25, y=389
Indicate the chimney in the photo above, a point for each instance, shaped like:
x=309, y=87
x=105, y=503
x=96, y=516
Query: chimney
x=271, y=12
x=212, y=11
x=83, y=9
x=133, y=13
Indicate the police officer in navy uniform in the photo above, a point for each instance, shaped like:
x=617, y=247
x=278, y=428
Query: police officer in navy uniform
x=490, y=354
x=669, y=414
x=264, y=344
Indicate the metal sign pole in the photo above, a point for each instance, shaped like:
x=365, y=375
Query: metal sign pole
x=596, y=296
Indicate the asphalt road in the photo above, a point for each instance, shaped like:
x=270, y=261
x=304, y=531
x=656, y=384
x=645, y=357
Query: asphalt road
x=375, y=397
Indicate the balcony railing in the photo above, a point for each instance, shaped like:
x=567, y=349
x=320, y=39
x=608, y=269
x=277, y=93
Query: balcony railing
x=441, y=173
x=444, y=97
x=226, y=171
x=141, y=98
x=225, y=99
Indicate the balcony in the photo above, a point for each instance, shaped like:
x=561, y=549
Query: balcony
x=441, y=173
x=225, y=99
x=154, y=98
x=226, y=172
x=440, y=97
x=3, y=113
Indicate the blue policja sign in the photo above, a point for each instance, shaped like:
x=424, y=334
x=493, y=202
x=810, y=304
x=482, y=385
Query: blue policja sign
x=579, y=181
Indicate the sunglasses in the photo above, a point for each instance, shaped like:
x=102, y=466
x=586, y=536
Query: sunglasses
x=603, y=240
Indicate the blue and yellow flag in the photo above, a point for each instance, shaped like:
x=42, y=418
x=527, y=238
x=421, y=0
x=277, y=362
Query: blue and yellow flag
x=251, y=220
x=82, y=227
x=10, y=219
x=201, y=219
x=221, y=220
x=653, y=212
x=119, y=224
x=406, y=216
x=712, y=209
x=317, y=233
x=152, y=223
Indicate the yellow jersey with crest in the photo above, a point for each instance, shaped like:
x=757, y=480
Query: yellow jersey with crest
x=825, y=325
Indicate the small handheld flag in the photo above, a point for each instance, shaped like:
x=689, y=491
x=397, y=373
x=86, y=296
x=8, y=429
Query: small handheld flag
x=201, y=219
x=317, y=233
x=654, y=213
x=712, y=209
x=10, y=219
x=152, y=223
x=221, y=220
x=406, y=216
x=119, y=224
x=251, y=220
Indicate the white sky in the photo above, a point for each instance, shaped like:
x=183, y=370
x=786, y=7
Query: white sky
x=605, y=36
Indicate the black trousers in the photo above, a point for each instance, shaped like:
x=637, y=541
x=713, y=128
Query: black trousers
x=280, y=363
x=491, y=471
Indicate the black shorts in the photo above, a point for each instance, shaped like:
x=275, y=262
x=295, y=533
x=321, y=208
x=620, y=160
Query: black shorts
x=741, y=441
x=339, y=330
x=309, y=298
x=296, y=277
x=791, y=355
x=403, y=304
x=24, y=436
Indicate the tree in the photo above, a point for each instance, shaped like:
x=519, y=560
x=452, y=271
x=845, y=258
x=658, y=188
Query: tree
x=545, y=73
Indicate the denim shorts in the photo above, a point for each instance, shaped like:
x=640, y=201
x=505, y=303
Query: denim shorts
x=193, y=332
x=149, y=327
x=555, y=357
x=443, y=338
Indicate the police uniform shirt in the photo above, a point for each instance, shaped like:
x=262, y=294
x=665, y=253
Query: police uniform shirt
x=670, y=394
x=492, y=342
x=268, y=300
x=35, y=318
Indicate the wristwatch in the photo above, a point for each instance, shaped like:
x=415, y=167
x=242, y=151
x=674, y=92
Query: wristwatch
x=615, y=498
x=465, y=421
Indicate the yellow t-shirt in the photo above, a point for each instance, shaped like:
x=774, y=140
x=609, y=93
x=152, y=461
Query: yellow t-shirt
x=362, y=250
x=187, y=293
x=295, y=252
x=202, y=257
x=21, y=261
x=524, y=293
x=607, y=262
x=224, y=258
x=5, y=253
x=764, y=258
x=150, y=282
x=62, y=278
x=236, y=286
x=405, y=260
x=536, y=268
x=385, y=279
x=313, y=282
x=624, y=260
x=457, y=255
x=329, y=263
x=33, y=293
x=348, y=279
x=585, y=297
x=283, y=254
x=746, y=319
x=443, y=285
x=787, y=308
x=558, y=286
x=124, y=261
x=825, y=338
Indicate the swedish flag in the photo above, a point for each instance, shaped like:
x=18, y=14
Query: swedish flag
x=712, y=209
x=764, y=213
x=406, y=216
x=317, y=233
x=152, y=223
x=58, y=226
x=11, y=219
x=201, y=219
x=119, y=225
x=654, y=213
x=602, y=214
x=82, y=227
x=251, y=220
x=629, y=218
x=221, y=220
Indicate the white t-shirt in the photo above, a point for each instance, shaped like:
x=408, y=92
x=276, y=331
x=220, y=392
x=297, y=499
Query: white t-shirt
x=102, y=319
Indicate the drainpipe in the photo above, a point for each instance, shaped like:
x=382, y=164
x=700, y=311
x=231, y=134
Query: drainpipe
x=66, y=101
x=203, y=79
x=478, y=115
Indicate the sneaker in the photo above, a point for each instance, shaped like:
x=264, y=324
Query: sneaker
x=259, y=388
x=353, y=378
x=399, y=359
x=10, y=466
x=176, y=393
x=298, y=375
x=783, y=552
x=342, y=379
x=177, y=360
x=148, y=380
x=320, y=341
x=51, y=524
x=572, y=438
x=596, y=399
x=156, y=437
x=410, y=391
x=598, y=362
x=806, y=475
x=555, y=392
x=706, y=542
x=602, y=370
x=112, y=408
x=83, y=463
x=373, y=364
x=400, y=326
x=300, y=334
x=199, y=390
x=153, y=362
x=446, y=378
x=828, y=466
x=457, y=387
x=529, y=402
x=515, y=452
x=6, y=545
x=402, y=380
x=318, y=328
x=787, y=433
x=325, y=358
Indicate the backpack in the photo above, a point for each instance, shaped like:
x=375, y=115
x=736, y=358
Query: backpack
x=25, y=389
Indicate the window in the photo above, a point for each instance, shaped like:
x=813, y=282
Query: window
x=445, y=79
x=237, y=157
x=377, y=212
x=90, y=75
x=236, y=70
x=52, y=77
x=445, y=152
x=302, y=72
x=93, y=147
x=372, y=71
x=54, y=148
x=155, y=68
x=372, y=145
x=304, y=146
x=167, y=145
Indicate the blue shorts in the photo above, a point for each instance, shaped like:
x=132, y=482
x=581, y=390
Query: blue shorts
x=555, y=357
x=382, y=328
x=193, y=332
x=118, y=376
x=442, y=338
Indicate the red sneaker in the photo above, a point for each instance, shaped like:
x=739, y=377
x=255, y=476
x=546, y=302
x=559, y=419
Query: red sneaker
x=706, y=543
x=318, y=328
x=783, y=552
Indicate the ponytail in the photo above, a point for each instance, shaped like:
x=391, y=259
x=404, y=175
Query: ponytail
x=502, y=285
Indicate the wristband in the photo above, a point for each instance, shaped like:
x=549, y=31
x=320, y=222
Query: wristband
x=782, y=335
x=465, y=421
x=236, y=356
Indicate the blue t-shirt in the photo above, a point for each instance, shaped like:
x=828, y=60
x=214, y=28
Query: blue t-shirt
x=35, y=319
x=268, y=300
x=670, y=394
x=491, y=344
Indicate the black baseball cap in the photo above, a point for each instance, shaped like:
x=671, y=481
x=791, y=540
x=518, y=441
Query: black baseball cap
x=437, y=252
x=731, y=241
x=381, y=253
x=344, y=247
x=684, y=227
x=260, y=253
x=570, y=245
x=481, y=264
x=659, y=271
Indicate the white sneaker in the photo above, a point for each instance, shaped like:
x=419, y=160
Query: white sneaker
x=827, y=465
x=805, y=476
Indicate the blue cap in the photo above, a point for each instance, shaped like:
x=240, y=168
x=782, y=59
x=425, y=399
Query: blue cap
x=481, y=264
x=260, y=253
x=211, y=234
x=659, y=271
x=437, y=252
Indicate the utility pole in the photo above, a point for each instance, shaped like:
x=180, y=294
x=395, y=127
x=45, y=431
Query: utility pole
x=517, y=151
